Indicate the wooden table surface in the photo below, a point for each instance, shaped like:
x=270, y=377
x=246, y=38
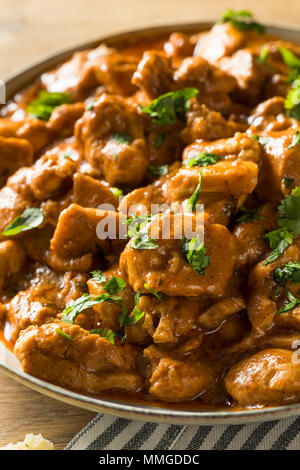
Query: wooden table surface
x=31, y=28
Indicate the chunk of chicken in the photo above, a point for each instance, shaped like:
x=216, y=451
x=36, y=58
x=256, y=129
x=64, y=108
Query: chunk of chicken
x=197, y=72
x=154, y=74
x=50, y=176
x=89, y=192
x=171, y=192
x=37, y=132
x=213, y=317
x=250, y=74
x=166, y=270
x=14, y=153
x=175, y=379
x=87, y=69
x=235, y=173
x=222, y=40
x=86, y=362
x=121, y=162
x=269, y=377
x=263, y=303
x=64, y=117
x=203, y=123
x=179, y=45
x=269, y=116
x=31, y=307
x=53, y=172
x=76, y=237
x=280, y=163
x=166, y=320
x=12, y=259
x=107, y=313
x=252, y=246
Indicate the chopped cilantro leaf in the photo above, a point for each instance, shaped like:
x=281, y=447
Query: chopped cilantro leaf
x=289, y=212
x=195, y=253
x=294, y=302
x=263, y=56
x=31, y=218
x=44, y=104
x=63, y=334
x=168, y=108
x=84, y=302
x=157, y=294
x=115, y=285
x=289, y=272
x=121, y=138
x=195, y=196
x=292, y=101
x=138, y=233
x=289, y=57
x=116, y=192
x=279, y=240
x=251, y=214
x=242, y=20
x=104, y=333
x=202, y=159
x=159, y=170
x=288, y=182
x=98, y=276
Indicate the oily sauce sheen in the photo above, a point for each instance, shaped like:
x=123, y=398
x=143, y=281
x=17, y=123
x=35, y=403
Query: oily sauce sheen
x=189, y=329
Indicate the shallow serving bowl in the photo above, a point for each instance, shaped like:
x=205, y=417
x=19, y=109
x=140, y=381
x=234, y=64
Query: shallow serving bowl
x=8, y=362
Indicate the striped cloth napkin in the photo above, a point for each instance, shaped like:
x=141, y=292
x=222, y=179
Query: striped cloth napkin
x=111, y=433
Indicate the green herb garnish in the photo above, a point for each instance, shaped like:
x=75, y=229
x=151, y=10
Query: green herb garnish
x=159, y=170
x=138, y=233
x=251, y=214
x=289, y=58
x=44, y=104
x=195, y=196
x=288, y=182
x=261, y=139
x=121, y=137
x=289, y=223
x=292, y=100
x=31, y=218
x=98, y=276
x=135, y=315
x=63, y=334
x=116, y=192
x=195, y=253
x=289, y=212
x=242, y=20
x=170, y=107
x=104, y=333
x=263, y=56
x=84, y=302
x=294, y=302
x=289, y=272
x=115, y=285
x=279, y=240
x=291, y=61
x=202, y=159
x=157, y=294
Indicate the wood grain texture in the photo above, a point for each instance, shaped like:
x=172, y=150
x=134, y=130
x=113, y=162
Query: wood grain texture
x=31, y=28
x=23, y=411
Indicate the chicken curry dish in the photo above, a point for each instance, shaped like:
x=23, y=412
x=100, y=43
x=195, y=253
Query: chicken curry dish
x=209, y=119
